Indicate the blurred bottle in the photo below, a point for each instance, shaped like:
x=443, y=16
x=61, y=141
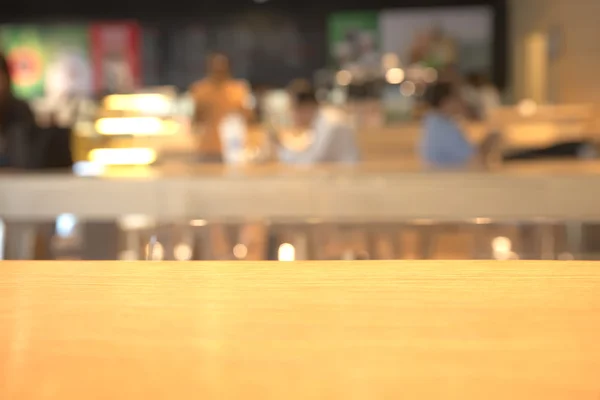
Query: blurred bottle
x=233, y=132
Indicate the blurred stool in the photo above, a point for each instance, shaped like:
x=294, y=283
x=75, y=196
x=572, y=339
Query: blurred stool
x=382, y=242
x=136, y=236
x=326, y=242
x=20, y=239
x=411, y=242
x=253, y=236
x=539, y=240
x=234, y=241
x=341, y=241
x=451, y=242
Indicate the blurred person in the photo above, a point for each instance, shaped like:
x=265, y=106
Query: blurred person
x=318, y=135
x=451, y=74
x=443, y=144
x=442, y=49
x=18, y=130
x=216, y=97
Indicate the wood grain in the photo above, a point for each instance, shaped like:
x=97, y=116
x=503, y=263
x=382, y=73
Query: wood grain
x=329, y=330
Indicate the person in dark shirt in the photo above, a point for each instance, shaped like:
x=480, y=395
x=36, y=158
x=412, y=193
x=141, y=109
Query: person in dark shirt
x=18, y=130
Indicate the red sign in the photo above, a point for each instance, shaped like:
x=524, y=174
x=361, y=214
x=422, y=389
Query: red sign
x=116, y=57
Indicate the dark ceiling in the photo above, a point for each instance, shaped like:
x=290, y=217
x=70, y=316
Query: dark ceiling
x=20, y=10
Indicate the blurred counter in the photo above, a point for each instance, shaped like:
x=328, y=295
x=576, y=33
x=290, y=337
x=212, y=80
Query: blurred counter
x=373, y=192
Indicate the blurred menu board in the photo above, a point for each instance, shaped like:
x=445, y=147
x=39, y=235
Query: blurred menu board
x=186, y=61
x=440, y=37
x=47, y=60
x=116, y=53
x=269, y=48
x=354, y=40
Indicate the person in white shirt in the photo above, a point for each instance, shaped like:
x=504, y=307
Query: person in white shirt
x=319, y=135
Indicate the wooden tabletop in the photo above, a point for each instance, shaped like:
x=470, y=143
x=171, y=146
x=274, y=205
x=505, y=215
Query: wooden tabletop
x=329, y=330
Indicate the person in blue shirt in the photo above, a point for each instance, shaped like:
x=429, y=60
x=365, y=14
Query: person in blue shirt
x=443, y=144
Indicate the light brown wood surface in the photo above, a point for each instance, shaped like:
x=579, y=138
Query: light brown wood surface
x=329, y=330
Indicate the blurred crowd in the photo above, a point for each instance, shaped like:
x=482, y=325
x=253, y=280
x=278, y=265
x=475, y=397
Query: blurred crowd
x=224, y=109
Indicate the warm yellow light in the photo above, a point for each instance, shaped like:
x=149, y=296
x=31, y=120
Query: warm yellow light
x=527, y=107
x=137, y=126
x=286, y=252
x=502, y=248
x=198, y=222
x=132, y=156
x=148, y=103
x=501, y=244
x=343, y=78
x=394, y=75
x=240, y=251
x=183, y=252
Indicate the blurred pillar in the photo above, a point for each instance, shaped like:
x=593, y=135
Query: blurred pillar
x=20, y=241
x=536, y=67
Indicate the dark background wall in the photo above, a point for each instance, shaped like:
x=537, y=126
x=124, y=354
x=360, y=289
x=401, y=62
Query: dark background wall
x=179, y=33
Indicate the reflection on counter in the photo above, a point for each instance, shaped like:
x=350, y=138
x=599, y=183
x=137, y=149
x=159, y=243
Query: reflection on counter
x=139, y=237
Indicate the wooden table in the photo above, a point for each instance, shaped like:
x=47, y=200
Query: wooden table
x=335, y=330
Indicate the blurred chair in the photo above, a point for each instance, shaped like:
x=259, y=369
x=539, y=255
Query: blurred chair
x=245, y=241
x=383, y=243
x=411, y=241
x=451, y=242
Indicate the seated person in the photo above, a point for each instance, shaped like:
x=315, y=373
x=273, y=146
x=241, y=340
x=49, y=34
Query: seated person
x=18, y=130
x=443, y=144
x=332, y=140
